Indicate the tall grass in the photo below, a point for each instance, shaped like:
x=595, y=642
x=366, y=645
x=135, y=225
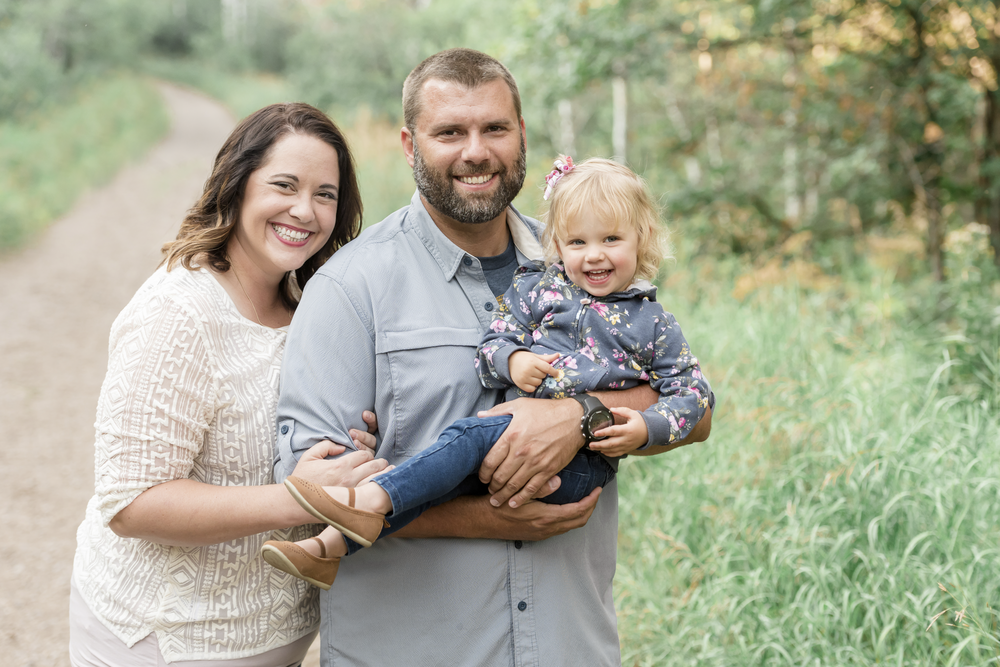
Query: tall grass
x=842, y=484
x=47, y=160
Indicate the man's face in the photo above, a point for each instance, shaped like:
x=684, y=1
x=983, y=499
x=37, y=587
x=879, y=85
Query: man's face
x=468, y=150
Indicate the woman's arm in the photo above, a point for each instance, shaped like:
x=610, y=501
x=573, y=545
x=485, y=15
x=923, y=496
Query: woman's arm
x=188, y=513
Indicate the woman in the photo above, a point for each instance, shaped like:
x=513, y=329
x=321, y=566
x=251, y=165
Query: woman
x=167, y=567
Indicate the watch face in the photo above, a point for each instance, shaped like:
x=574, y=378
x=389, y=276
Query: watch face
x=599, y=419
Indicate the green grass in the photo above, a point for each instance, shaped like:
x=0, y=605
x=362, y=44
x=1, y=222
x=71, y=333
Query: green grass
x=47, y=160
x=843, y=483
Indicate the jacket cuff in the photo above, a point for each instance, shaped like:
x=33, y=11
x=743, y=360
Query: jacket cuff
x=501, y=361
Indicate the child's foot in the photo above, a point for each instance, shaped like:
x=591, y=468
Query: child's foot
x=296, y=561
x=361, y=526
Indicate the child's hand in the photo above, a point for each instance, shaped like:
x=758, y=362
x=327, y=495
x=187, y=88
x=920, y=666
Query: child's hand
x=528, y=369
x=623, y=438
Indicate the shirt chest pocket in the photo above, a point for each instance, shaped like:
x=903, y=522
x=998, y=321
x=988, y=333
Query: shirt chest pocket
x=434, y=382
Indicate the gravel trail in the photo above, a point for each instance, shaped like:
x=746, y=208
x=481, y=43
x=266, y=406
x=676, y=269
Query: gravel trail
x=59, y=298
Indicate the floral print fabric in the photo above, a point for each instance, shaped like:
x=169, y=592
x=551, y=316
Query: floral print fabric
x=612, y=342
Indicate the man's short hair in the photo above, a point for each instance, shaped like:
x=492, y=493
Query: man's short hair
x=465, y=67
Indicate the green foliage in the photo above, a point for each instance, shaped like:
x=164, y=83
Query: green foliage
x=351, y=55
x=843, y=482
x=243, y=93
x=46, y=161
x=50, y=47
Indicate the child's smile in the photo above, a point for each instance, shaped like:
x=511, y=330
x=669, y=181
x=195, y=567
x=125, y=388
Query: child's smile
x=599, y=255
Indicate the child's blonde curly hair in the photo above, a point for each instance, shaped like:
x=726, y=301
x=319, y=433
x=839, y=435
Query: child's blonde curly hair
x=611, y=191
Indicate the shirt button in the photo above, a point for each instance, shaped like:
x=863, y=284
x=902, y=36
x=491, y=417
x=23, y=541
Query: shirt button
x=284, y=429
x=467, y=261
x=522, y=605
x=488, y=305
x=518, y=544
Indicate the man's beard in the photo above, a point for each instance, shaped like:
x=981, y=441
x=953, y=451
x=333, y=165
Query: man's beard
x=440, y=191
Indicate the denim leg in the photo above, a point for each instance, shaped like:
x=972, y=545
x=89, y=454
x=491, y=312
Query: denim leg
x=585, y=472
x=433, y=474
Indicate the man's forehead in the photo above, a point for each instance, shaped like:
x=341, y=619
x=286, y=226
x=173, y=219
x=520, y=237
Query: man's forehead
x=445, y=102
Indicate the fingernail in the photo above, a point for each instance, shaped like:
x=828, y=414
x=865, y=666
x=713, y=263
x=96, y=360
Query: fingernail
x=513, y=504
x=494, y=502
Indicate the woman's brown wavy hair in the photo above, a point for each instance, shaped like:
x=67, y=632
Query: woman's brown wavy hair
x=204, y=235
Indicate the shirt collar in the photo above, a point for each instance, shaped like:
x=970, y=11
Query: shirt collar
x=448, y=255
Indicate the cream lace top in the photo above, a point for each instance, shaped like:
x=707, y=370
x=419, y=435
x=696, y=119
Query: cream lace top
x=190, y=392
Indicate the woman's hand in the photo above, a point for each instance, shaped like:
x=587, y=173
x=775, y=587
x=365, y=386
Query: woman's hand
x=348, y=470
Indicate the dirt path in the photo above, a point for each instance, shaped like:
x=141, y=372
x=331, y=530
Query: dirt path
x=59, y=298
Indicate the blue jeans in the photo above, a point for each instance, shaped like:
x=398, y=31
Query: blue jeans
x=448, y=469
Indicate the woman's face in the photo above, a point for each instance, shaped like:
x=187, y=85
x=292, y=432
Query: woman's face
x=290, y=205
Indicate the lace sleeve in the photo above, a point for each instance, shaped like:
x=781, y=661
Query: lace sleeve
x=156, y=404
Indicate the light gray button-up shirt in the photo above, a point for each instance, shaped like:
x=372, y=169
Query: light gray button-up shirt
x=392, y=322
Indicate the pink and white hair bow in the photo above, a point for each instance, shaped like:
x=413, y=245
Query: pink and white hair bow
x=561, y=169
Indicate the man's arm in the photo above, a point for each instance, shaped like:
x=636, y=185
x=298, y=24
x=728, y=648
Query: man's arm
x=543, y=437
x=474, y=517
x=323, y=390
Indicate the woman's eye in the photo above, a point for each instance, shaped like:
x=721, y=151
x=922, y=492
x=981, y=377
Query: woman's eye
x=328, y=195
x=282, y=184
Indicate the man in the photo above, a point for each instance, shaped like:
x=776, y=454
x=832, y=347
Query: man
x=392, y=323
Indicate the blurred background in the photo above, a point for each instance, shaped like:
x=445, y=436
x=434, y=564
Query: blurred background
x=830, y=172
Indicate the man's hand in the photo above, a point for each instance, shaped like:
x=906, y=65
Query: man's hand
x=474, y=517
x=543, y=437
x=365, y=441
x=528, y=369
x=624, y=438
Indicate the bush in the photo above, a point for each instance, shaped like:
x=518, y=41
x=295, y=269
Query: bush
x=46, y=161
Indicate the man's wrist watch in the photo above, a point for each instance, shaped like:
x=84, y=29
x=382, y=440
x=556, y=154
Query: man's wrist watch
x=595, y=417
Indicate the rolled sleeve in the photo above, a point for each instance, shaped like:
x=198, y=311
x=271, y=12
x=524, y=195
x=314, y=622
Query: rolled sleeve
x=156, y=405
x=328, y=372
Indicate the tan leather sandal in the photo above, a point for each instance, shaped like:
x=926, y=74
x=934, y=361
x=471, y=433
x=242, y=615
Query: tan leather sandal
x=296, y=561
x=362, y=527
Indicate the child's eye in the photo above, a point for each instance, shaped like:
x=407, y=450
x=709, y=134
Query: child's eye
x=575, y=242
x=612, y=239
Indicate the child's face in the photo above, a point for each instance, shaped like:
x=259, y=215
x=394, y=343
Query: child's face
x=600, y=256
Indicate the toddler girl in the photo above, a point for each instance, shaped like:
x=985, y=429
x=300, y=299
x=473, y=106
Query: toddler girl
x=587, y=321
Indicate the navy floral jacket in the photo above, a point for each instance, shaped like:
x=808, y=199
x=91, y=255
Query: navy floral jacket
x=611, y=342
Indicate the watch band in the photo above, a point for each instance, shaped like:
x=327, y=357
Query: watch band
x=591, y=404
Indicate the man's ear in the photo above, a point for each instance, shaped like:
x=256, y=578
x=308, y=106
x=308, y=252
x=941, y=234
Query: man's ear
x=407, y=138
x=524, y=134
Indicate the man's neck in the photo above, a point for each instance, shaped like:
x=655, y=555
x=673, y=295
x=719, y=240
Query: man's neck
x=486, y=239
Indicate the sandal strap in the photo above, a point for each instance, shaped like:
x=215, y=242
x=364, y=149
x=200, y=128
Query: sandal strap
x=322, y=547
x=350, y=496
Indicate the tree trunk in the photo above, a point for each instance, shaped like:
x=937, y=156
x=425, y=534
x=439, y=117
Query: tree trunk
x=234, y=21
x=619, y=122
x=988, y=202
x=567, y=133
x=790, y=178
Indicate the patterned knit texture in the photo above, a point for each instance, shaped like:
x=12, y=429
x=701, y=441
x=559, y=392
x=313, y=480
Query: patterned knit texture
x=190, y=393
